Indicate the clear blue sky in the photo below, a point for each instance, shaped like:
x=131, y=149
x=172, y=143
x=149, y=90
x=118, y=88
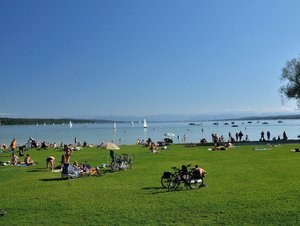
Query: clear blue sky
x=130, y=57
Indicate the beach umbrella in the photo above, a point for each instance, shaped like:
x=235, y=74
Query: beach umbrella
x=110, y=146
x=169, y=134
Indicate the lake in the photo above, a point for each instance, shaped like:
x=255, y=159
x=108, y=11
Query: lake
x=128, y=134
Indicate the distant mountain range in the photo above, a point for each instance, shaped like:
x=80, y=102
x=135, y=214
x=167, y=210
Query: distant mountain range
x=203, y=117
x=275, y=117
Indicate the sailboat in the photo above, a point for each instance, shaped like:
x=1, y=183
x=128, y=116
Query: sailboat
x=145, y=123
x=71, y=124
x=115, y=126
x=132, y=124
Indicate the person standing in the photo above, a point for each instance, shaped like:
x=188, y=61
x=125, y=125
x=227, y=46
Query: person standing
x=68, y=152
x=262, y=136
x=237, y=136
x=284, y=136
x=241, y=136
x=13, y=145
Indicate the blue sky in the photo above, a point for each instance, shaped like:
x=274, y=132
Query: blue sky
x=97, y=58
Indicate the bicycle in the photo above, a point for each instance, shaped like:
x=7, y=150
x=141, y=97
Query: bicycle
x=179, y=177
x=197, y=180
x=122, y=162
x=190, y=178
x=31, y=143
x=165, y=178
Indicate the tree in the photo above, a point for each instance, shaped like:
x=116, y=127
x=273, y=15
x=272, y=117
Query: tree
x=291, y=75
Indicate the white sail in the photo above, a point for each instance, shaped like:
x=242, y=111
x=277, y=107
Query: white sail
x=145, y=123
x=115, y=126
x=132, y=124
x=71, y=124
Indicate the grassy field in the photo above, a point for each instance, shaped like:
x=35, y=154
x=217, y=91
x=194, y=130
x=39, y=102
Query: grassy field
x=245, y=187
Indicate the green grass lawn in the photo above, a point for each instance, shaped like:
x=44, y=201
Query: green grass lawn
x=245, y=187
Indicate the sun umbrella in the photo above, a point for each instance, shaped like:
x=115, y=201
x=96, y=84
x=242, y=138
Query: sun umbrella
x=110, y=146
x=169, y=134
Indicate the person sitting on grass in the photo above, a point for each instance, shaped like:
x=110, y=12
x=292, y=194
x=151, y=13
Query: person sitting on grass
x=14, y=159
x=201, y=171
x=44, y=145
x=153, y=148
x=28, y=160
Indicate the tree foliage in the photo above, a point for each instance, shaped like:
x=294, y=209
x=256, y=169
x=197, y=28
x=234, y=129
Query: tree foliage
x=291, y=75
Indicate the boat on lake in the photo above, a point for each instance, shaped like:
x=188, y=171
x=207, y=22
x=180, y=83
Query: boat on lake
x=145, y=124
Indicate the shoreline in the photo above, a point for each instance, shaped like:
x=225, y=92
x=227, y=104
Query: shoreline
x=249, y=143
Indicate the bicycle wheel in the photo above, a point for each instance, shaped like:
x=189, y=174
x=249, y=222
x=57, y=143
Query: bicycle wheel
x=115, y=167
x=130, y=160
x=195, y=183
x=164, y=182
x=173, y=183
x=72, y=175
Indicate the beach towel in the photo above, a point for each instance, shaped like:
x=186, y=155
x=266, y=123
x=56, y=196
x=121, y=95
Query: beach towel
x=262, y=149
x=22, y=164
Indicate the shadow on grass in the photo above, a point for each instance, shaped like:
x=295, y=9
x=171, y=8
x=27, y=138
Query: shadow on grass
x=153, y=188
x=156, y=190
x=51, y=179
x=159, y=190
x=36, y=170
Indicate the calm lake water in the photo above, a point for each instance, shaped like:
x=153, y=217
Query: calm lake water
x=128, y=134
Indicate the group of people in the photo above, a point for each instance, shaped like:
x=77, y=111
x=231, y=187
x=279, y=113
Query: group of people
x=262, y=136
x=50, y=160
x=15, y=160
x=65, y=158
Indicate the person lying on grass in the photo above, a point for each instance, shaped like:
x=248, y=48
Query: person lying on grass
x=218, y=148
x=85, y=167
